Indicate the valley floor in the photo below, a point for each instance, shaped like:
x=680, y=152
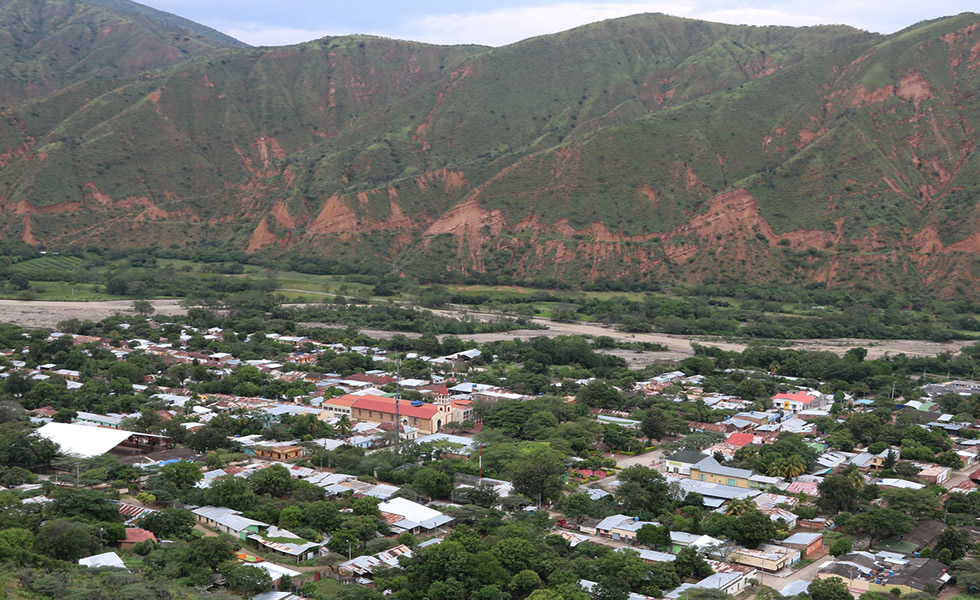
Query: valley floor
x=40, y=313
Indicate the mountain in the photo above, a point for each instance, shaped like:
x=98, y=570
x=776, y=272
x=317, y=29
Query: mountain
x=46, y=46
x=644, y=149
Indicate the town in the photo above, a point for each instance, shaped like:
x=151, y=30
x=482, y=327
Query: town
x=280, y=463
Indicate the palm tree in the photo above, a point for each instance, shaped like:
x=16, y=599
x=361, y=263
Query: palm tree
x=737, y=507
x=344, y=426
x=854, y=475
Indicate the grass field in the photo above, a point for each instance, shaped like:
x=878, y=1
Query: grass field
x=61, y=291
x=38, y=268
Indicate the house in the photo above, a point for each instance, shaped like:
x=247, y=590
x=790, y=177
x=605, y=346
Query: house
x=278, y=452
x=796, y=401
x=405, y=515
x=106, y=559
x=135, y=535
x=713, y=494
x=711, y=471
x=276, y=572
x=228, y=521
x=362, y=566
x=766, y=557
x=681, y=462
x=807, y=543
x=428, y=418
x=934, y=474
x=740, y=440
x=681, y=539
x=728, y=577
x=649, y=556
x=286, y=544
x=775, y=514
x=109, y=421
x=335, y=408
x=621, y=527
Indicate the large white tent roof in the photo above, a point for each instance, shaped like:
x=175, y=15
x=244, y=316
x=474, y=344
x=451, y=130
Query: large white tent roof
x=83, y=440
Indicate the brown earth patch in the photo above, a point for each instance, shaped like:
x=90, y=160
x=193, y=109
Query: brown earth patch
x=8, y=157
x=913, y=87
x=451, y=181
x=261, y=237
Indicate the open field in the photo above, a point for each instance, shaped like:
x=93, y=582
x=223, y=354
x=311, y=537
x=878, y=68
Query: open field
x=43, y=313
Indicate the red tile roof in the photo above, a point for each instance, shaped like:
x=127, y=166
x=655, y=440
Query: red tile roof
x=346, y=400
x=136, y=535
x=387, y=405
x=740, y=439
x=795, y=396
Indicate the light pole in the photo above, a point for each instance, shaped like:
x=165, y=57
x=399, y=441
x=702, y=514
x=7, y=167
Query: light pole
x=398, y=418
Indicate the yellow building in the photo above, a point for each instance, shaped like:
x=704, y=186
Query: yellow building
x=711, y=471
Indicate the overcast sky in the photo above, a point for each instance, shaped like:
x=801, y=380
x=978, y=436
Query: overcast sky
x=500, y=22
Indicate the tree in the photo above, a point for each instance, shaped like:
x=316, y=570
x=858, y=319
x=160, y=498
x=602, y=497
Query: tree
x=837, y=494
x=143, y=308
x=536, y=472
x=515, y=554
x=957, y=542
x=432, y=483
x=841, y=546
x=690, y=563
x=753, y=527
x=576, y=506
x=88, y=505
x=231, y=492
x=917, y=503
x=881, y=522
x=524, y=582
x=653, y=536
x=247, y=580
x=182, y=475
x=169, y=523
x=65, y=540
x=274, y=480
x=210, y=552
x=484, y=495
x=830, y=588
x=322, y=515
x=652, y=425
x=343, y=541
x=643, y=490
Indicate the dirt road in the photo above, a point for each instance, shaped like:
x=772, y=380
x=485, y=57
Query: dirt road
x=41, y=313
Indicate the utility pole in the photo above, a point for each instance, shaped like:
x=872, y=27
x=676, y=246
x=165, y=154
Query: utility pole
x=398, y=393
x=76, y=474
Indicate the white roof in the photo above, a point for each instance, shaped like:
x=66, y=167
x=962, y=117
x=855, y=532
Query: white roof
x=413, y=511
x=83, y=440
x=107, y=559
x=276, y=572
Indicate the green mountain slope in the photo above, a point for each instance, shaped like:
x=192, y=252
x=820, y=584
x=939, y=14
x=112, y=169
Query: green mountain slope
x=48, y=45
x=172, y=20
x=648, y=148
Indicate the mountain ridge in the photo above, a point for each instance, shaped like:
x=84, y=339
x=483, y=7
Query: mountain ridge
x=643, y=148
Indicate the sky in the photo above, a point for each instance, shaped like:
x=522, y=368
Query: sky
x=501, y=22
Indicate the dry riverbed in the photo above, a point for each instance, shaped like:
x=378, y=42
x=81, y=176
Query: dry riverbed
x=47, y=314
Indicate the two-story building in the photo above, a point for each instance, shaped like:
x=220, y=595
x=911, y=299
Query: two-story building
x=711, y=471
